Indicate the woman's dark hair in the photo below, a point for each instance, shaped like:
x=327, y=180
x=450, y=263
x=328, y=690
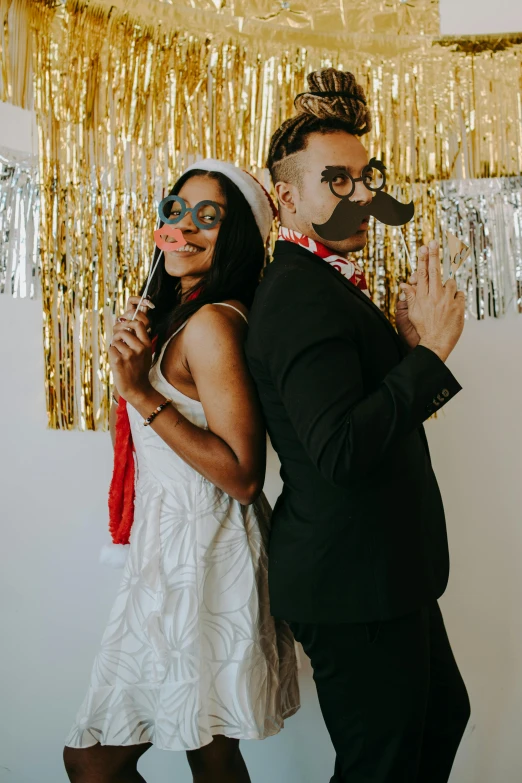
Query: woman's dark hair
x=239, y=257
x=333, y=102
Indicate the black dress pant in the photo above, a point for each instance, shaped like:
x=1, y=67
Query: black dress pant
x=392, y=697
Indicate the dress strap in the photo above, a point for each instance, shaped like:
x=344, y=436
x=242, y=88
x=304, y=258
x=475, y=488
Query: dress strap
x=167, y=341
x=224, y=304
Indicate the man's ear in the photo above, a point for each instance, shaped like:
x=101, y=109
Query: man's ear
x=286, y=195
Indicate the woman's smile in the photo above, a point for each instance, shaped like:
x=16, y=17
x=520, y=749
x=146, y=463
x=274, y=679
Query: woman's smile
x=188, y=249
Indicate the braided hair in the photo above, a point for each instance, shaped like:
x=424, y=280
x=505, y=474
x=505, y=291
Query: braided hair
x=334, y=102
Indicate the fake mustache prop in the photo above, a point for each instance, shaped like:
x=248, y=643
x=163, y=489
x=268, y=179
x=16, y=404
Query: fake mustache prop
x=348, y=216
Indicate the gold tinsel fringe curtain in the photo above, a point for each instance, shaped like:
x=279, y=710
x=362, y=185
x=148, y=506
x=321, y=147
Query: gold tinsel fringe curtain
x=125, y=102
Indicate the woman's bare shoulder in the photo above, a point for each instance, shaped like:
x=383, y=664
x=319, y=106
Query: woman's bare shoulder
x=214, y=331
x=215, y=318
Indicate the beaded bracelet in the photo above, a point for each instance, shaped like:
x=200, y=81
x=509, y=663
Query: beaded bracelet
x=155, y=412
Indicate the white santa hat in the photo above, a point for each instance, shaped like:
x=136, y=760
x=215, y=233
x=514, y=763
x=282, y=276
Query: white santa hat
x=259, y=200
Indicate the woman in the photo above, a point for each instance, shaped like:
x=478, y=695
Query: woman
x=191, y=658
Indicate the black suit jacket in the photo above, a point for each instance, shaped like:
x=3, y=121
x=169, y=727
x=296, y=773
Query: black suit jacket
x=358, y=533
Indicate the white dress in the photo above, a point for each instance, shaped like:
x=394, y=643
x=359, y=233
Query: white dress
x=190, y=649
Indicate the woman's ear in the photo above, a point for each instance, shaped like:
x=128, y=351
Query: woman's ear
x=286, y=195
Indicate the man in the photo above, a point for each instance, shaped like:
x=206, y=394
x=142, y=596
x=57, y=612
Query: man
x=358, y=550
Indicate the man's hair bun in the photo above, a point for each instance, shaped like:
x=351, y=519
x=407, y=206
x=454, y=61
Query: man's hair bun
x=333, y=102
x=335, y=94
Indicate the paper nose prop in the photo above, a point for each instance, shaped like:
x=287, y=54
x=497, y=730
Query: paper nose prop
x=459, y=252
x=169, y=231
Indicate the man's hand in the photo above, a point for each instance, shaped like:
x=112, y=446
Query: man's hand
x=436, y=311
x=405, y=328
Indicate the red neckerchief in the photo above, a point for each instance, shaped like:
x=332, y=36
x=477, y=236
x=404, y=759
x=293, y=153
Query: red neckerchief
x=347, y=268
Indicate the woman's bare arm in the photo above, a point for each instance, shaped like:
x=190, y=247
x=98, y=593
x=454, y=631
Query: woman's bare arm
x=232, y=452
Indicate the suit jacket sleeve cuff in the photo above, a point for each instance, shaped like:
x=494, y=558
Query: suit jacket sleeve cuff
x=423, y=383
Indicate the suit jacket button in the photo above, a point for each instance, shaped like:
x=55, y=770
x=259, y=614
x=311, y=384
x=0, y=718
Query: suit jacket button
x=445, y=393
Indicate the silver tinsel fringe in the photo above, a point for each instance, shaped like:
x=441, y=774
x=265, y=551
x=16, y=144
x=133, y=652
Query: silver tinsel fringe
x=19, y=216
x=487, y=215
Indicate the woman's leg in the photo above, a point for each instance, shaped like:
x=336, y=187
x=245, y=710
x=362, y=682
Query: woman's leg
x=104, y=763
x=219, y=762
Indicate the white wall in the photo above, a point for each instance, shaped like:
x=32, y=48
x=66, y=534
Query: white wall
x=18, y=129
x=480, y=17
x=56, y=598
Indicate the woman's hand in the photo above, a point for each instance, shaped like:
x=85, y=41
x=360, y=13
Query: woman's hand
x=405, y=328
x=131, y=307
x=130, y=352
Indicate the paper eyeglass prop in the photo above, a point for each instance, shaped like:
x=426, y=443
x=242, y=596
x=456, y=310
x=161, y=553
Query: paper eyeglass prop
x=205, y=215
x=348, y=215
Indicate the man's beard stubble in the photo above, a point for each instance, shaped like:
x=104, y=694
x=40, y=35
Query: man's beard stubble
x=351, y=244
